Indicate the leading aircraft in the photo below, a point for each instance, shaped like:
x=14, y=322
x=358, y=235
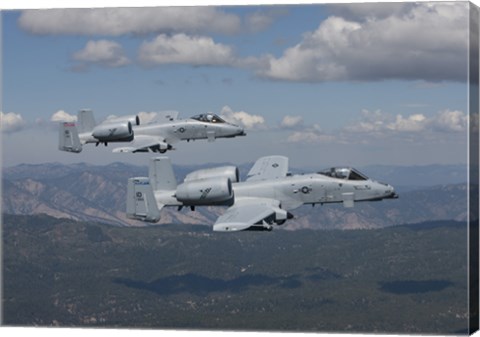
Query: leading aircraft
x=264, y=199
x=156, y=136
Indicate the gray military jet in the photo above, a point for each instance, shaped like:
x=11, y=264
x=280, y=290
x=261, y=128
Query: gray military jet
x=265, y=198
x=156, y=136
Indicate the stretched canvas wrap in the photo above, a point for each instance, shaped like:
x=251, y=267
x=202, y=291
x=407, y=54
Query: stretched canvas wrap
x=388, y=91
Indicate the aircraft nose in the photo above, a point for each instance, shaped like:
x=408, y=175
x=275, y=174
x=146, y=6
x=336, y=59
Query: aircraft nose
x=239, y=130
x=229, y=130
x=390, y=192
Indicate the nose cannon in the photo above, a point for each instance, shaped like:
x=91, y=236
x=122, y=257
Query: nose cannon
x=391, y=194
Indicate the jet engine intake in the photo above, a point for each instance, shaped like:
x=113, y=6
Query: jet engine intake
x=206, y=192
x=113, y=132
x=230, y=172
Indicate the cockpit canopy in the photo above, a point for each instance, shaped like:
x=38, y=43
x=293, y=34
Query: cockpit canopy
x=208, y=118
x=346, y=173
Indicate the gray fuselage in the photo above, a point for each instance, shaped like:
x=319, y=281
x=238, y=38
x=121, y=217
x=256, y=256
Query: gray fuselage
x=180, y=129
x=296, y=190
x=189, y=129
x=292, y=191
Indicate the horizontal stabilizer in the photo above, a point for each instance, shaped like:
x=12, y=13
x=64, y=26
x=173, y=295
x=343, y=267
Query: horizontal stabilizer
x=267, y=168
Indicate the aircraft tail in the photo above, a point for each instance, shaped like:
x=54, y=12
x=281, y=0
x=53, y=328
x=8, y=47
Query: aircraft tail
x=86, y=121
x=141, y=203
x=68, y=139
x=161, y=174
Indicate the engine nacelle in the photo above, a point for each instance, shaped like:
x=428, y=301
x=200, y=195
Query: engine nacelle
x=113, y=132
x=205, y=192
x=230, y=172
x=134, y=119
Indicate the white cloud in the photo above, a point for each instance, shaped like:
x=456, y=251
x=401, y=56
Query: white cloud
x=369, y=11
x=378, y=121
x=122, y=21
x=365, y=42
x=310, y=136
x=11, y=122
x=290, y=122
x=375, y=126
x=242, y=118
x=184, y=49
x=450, y=120
x=412, y=123
x=102, y=52
x=62, y=116
x=423, y=41
x=371, y=121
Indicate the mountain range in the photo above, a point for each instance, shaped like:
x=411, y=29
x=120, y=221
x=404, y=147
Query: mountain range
x=97, y=193
x=400, y=279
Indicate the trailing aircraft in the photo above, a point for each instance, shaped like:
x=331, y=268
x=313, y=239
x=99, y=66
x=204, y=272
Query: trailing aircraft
x=156, y=136
x=265, y=198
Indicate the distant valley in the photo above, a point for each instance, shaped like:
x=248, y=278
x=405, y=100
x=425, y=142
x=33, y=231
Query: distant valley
x=97, y=193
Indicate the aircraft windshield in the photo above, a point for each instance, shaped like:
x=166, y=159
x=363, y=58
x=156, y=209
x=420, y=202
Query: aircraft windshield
x=208, y=118
x=344, y=173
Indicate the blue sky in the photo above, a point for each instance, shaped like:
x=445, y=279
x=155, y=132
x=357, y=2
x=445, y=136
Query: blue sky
x=353, y=84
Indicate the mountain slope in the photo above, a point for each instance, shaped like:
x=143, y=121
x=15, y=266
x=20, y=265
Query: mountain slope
x=402, y=279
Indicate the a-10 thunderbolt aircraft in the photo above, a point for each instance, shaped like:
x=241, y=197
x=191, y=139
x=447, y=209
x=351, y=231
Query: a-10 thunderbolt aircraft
x=265, y=198
x=156, y=136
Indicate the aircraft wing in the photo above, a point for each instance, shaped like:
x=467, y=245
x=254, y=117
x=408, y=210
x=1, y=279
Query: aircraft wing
x=251, y=213
x=267, y=168
x=143, y=143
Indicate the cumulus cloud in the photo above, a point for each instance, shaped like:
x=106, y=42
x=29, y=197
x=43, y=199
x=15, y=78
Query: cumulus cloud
x=11, y=122
x=378, y=121
x=124, y=21
x=62, y=116
x=423, y=41
x=359, y=42
x=412, y=123
x=450, y=120
x=184, y=49
x=312, y=134
x=291, y=122
x=371, y=121
x=102, y=52
x=242, y=118
x=375, y=126
x=369, y=11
